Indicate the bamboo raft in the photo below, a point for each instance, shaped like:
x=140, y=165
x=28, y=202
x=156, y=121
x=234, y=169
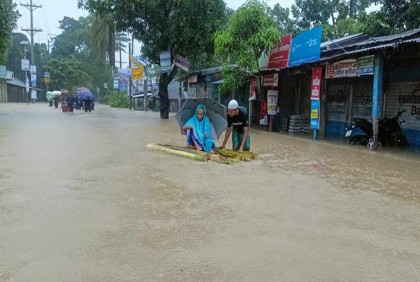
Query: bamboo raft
x=224, y=156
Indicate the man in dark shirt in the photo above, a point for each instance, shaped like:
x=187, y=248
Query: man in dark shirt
x=238, y=119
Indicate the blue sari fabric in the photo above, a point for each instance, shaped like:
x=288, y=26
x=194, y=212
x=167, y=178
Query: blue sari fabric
x=202, y=131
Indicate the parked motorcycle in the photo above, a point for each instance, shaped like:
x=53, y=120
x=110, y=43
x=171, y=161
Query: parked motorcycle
x=390, y=132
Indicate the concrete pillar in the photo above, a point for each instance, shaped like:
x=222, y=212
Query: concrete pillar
x=377, y=99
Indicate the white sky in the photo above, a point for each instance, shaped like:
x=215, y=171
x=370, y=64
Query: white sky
x=47, y=18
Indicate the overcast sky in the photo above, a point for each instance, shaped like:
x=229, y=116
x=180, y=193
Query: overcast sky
x=52, y=11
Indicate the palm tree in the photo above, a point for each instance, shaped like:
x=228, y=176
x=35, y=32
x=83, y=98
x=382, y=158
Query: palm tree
x=103, y=36
x=121, y=38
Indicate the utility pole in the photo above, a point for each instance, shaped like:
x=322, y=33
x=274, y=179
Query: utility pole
x=130, y=80
x=353, y=8
x=31, y=7
x=50, y=38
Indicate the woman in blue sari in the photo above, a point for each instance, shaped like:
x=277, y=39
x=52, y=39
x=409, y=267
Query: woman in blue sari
x=200, y=131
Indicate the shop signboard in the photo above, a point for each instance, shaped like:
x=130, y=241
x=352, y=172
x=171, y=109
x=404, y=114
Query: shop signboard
x=351, y=67
x=316, y=83
x=365, y=65
x=25, y=65
x=279, y=55
x=137, y=72
x=182, y=63
x=33, y=80
x=306, y=47
x=165, y=61
x=272, y=96
x=315, y=107
x=271, y=80
x=346, y=68
x=3, y=72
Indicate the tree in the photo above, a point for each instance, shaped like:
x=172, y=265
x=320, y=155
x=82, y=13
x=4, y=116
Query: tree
x=394, y=16
x=8, y=18
x=77, y=42
x=16, y=54
x=251, y=32
x=120, y=39
x=282, y=18
x=67, y=72
x=183, y=27
x=338, y=17
x=103, y=37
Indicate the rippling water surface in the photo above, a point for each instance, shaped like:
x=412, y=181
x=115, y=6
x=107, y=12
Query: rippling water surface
x=82, y=199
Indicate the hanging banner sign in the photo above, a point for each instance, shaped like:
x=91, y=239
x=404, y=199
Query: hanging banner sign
x=33, y=80
x=26, y=66
x=263, y=113
x=137, y=73
x=315, y=109
x=316, y=83
x=272, y=96
x=33, y=69
x=165, y=62
x=279, y=55
x=271, y=80
x=252, y=95
x=182, y=63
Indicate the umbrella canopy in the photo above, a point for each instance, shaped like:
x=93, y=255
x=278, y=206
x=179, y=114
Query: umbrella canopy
x=84, y=93
x=215, y=111
x=64, y=91
x=56, y=93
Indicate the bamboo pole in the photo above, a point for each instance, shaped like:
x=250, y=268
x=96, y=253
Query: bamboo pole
x=189, y=155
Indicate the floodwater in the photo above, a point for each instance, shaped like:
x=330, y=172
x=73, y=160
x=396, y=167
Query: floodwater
x=82, y=199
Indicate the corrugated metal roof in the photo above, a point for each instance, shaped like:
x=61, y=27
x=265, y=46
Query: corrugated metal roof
x=343, y=41
x=392, y=37
x=364, y=49
x=16, y=82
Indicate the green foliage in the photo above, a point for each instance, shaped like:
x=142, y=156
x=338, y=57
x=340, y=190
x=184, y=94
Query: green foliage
x=282, y=18
x=393, y=17
x=103, y=37
x=76, y=42
x=233, y=80
x=251, y=32
x=16, y=54
x=184, y=27
x=116, y=99
x=334, y=16
x=8, y=18
x=67, y=72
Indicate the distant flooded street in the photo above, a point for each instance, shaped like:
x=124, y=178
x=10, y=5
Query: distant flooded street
x=82, y=199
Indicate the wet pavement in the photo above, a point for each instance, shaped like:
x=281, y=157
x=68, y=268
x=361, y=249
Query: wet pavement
x=82, y=199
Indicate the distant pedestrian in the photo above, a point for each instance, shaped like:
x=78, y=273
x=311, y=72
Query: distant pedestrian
x=56, y=101
x=87, y=105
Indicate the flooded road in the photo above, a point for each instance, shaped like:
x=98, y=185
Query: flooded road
x=82, y=199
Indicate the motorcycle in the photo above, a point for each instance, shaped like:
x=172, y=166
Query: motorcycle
x=390, y=132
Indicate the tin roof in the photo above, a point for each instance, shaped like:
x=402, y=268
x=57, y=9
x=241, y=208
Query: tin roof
x=372, y=44
x=16, y=82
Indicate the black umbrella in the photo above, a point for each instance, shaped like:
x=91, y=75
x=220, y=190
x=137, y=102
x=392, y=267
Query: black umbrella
x=215, y=111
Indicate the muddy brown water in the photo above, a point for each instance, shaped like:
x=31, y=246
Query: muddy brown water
x=82, y=199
